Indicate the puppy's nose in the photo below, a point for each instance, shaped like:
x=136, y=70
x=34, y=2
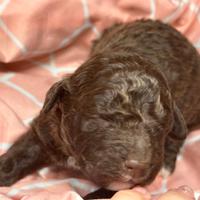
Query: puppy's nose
x=135, y=164
x=137, y=170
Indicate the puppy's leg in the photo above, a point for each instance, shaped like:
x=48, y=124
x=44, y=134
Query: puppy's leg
x=24, y=157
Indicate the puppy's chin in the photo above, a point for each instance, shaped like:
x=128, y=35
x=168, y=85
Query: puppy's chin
x=129, y=182
x=115, y=186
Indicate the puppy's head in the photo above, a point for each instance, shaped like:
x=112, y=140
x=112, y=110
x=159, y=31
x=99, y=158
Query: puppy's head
x=118, y=120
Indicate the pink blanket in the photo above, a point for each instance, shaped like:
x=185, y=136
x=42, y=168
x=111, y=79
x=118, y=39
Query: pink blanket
x=43, y=39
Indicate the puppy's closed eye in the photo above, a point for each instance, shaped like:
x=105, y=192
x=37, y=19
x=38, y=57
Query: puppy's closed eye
x=89, y=125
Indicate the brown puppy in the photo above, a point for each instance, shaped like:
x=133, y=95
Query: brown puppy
x=122, y=115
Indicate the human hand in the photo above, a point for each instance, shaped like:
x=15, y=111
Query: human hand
x=182, y=193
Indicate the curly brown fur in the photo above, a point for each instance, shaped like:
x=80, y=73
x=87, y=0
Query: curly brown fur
x=122, y=116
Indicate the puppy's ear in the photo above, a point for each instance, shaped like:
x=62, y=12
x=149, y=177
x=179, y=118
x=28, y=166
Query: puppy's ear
x=55, y=93
x=174, y=140
x=179, y=130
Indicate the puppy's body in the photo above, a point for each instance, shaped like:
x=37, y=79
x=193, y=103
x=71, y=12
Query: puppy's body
x=169, y=52
x=122, y=115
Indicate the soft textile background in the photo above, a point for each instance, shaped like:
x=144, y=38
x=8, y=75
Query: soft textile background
x=40, y=41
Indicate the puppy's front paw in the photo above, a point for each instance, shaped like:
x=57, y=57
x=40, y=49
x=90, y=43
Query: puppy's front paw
x=7, y=177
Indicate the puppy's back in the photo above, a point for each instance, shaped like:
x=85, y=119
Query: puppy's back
x=168, y=50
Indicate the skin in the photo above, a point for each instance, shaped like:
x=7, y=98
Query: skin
x=183, y=193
